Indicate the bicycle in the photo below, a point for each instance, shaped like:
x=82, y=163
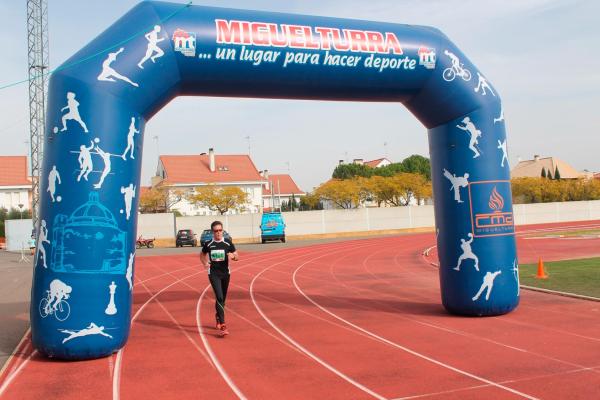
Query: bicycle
x=451, y=73
x=62, y=311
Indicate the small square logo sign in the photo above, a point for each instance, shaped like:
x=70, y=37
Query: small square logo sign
x=491, y=213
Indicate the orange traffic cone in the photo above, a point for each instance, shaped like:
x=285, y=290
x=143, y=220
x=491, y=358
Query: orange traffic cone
x=541, y=274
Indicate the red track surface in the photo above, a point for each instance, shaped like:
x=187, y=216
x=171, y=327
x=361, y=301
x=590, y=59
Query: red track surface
x=350, y=320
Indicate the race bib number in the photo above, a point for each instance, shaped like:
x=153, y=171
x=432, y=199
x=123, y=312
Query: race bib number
x=217, y=255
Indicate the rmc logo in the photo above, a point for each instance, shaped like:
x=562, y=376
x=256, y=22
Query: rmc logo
x=488, y=214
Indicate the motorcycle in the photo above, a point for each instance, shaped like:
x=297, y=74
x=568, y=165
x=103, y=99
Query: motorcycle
x=141, y=242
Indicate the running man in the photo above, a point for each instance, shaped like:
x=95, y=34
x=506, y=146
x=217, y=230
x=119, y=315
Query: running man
x=73, y=113
x=109, y=74
x=85, y=161
x=488, y=283
x=152, y=38
x=467, y=253
x=482, y=84
x=132, y=132
x=215, y=257
x=53, y=176
x=475, y=134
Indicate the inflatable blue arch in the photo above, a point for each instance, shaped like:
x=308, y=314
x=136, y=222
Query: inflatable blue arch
x=101, y=99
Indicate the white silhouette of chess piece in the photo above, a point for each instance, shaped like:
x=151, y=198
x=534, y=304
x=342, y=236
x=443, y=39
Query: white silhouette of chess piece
x=501, y=117
x=467, y=253
x=107, y=166
x=129, y=273
x=153, y=40
x=53, y=176
x=43, y=238
x=128, y=196
x=132, y=132
x=473, y=132
x=488, y=283
x=92, y=329
x=73, y=113
x=111, y=309
x=108, y=73
x=85, y=161
x=457, y=183
x=502, y=146
x=482, y=85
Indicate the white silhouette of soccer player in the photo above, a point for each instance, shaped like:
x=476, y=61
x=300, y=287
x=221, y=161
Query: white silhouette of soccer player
x=58, y=291
x=129, y=273
x=85, y=161
x=473, y=132
x=501, y=117
x=132, y=132
x=502, y=146
x=108, y=74
x=92, y=329
x=488, y=283
x=128, y=196
x=467, y=253
x=457, y=183
x=43, y=238
x=53, y=176
x=106, y=158
x=152, y=38
x=482, y=84
x=73, y=113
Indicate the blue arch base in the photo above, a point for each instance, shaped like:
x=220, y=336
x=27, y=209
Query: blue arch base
x=97, y=111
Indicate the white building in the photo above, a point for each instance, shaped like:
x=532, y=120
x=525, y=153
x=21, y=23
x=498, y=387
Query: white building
x=15, y=184
x=279, y=188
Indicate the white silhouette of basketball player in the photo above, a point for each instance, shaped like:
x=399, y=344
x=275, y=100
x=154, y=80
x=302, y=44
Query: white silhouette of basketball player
x=152, y=38
x=43, y=238
x=92, y=329
x=482, y=85
x=502, y=146
x=457, y=183
x=106, y=158
x=129, y=273
x=108, y=74
x=128, y=195
x=73, y=113
x=501, y=117
x=467, y=253
x=53, y=176
x=58, y=291
x=488, y=283
x=132, y=132
x=85, y=161
x=473, y=132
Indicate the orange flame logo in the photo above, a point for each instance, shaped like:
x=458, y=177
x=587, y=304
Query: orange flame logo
x=496, y=202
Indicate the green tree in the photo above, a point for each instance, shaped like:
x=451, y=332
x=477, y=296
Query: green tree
x=349, y=171
x=556, y=173
x=220, y=199
x=417, y=164
x=309, y=202
x=543, y=172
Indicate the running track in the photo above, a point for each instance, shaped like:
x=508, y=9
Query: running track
x=350, y=320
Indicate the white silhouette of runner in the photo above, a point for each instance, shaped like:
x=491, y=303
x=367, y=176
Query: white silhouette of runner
x=53, y=176
x=488, y=283
x=482, y=84
x=502, y=146
x=152, y=38
x=108, y=74
x=128, y=196
x=129, y=273
x=473, y=132
x=58, y=291
x=43, y=238
x=132, y=132
x=467, y=253
x=73, y=113
x=106, y=158
x=92, y=329
x=85, y=161
x=501, y=117
x=457, y=183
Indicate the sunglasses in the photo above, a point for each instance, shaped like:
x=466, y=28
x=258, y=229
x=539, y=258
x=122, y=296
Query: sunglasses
x=217, y=230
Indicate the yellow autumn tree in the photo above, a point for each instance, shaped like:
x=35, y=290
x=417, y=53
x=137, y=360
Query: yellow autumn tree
x=219, y=198
x=159, y=199
x=407, y=187
x=343, y=193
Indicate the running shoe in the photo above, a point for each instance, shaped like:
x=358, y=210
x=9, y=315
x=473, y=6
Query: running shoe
x=218, y=323
x=223, y=330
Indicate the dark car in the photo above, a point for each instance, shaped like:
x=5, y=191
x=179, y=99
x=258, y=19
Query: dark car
x=207, y=236
x=186, y=237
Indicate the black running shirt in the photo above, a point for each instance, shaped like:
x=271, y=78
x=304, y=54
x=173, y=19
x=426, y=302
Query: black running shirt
x=217, y=254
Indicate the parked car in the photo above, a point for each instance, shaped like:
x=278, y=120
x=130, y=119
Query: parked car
x=186, y=237
x=207, y=236
x=272, y=227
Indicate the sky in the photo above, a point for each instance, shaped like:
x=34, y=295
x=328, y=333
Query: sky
x=541, y=55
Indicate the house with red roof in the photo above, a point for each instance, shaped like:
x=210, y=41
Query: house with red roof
x=15, y=183
x=279, y=188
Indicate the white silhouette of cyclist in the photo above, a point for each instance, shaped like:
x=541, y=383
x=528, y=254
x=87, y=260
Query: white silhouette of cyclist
x=109, y=74
x=91, y=329
x=132, y=132
x=85, y=161
x=456, y=69
x=457, y=183
x=153, y=40
x=482, y=85
x=502, y=146
x=43, y=238
x=73, y=113
x=473, y=132
x=128, y=195
x=488, y=283
x=59, y=291
x=467, y=253
x=107, y=165
x=53, y=176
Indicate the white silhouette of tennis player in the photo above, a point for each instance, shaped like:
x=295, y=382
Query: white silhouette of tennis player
x=467, y=253
x=482, y=84
x=488, y=283
x=129, y=273
x=108, y=73
x=85, y=161
x=106, y=158
x=43, y=238
x=128, y=196
x=473, y=132
x=457, y=183
x=502, y=146
x=132, y=132
x=53, y=176
x=92, y=329
x=73, y=113
x=152, y=38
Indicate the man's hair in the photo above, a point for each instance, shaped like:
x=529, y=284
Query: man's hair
x=215, y=223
